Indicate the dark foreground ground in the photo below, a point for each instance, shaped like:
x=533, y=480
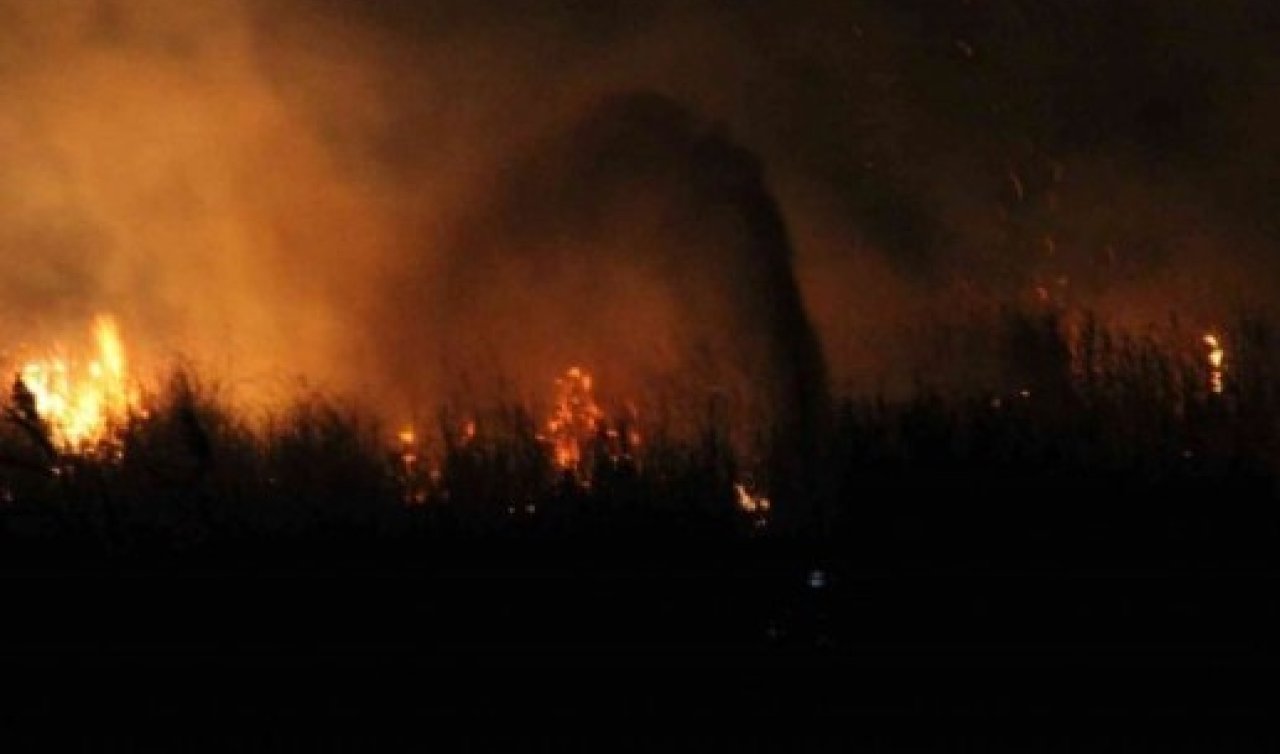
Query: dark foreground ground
x=520, y=649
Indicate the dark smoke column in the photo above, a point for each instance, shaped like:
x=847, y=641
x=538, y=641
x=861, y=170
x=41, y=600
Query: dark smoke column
x=636, y=191
x=770, y=311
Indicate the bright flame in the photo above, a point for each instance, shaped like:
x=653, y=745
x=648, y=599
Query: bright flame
x=81, y=408
x=575, y=419
x=578, y=433
x=1217, y=358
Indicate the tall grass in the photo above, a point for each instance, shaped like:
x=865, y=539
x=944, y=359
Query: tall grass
x=1095, y=444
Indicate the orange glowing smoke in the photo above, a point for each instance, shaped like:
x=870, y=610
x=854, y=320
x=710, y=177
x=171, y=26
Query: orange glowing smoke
x=82, y=405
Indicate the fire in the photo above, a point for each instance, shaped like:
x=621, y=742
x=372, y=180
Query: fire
x=579, y=440
x=408, y=451
x=80, y=407
x=578, y=433
x=1217, y=360
x=750, y=502
x=754, y=504
x=410, y=467
x=575, y=419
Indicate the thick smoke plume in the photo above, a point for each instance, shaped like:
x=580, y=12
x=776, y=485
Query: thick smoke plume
x=641, y=243
x=408, y=200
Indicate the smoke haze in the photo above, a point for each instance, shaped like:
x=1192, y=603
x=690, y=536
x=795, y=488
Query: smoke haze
x=401, y=199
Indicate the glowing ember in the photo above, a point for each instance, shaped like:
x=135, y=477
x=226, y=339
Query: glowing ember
x=750, y=502
x=408, y=448
x=1217, y=359
x=575, y=419
x=754, y=504
x=81, y=406
x=409, y=455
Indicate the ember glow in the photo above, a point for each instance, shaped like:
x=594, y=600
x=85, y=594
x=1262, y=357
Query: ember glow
x=82, y=402
x=410, y=468
x=575, y=420
x=408, y=450
x=753, y=503
x=408, y=437
x=1217, y=360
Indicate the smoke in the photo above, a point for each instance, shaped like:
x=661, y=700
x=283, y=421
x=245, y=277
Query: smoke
x=640, y=242
x=153, y=172
x=406, y=200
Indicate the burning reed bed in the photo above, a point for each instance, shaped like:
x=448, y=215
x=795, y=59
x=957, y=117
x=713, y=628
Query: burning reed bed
x=1092, y=447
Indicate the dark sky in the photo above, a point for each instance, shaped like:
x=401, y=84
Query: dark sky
x=255, y=180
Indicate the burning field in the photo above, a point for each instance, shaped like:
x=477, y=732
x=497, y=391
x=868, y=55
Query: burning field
x=792, y=329
x=690, y=262
x=94, y=446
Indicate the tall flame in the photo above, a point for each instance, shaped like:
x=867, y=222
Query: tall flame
x=81, y=406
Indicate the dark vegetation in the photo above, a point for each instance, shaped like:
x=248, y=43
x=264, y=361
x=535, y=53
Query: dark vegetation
x=1090, y=448
x=1101, y=506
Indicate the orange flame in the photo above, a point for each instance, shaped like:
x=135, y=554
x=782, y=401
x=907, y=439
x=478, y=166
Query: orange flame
x=578, y=433
x=83, y=407
x=575, y=419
